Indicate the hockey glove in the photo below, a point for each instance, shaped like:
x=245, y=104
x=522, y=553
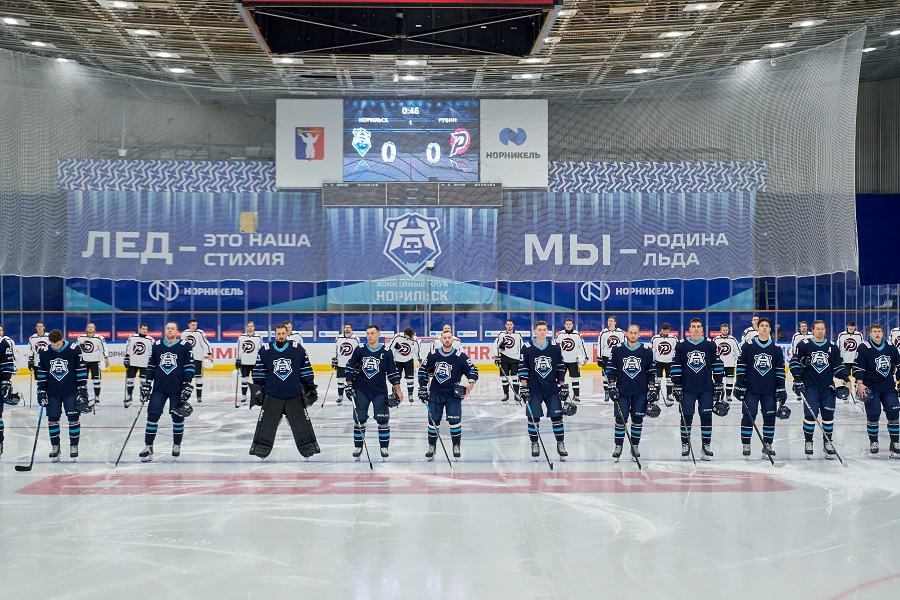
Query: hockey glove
x=720, y=408
x=652, y=397
x=799, y=388
x=653, y=410
x=613, y=392
x=82, y=403
x=5, y=390
x=780, y=395
x=393, y=400
x=459, y=391
x=42, y=397
x=334, y=364
x=497, y=361
x=563, y=393
x=718, y=392
x=677, y=393
x=740, y=392
x=580, y=362
x=310, y=394
x=784, y=412
x=237, y=364
x=126, y=361
x=186, y=392
x=525, y=394
x=841, y=392
x=208, y=363
x=146, y=388
x=350, y=393
x=81, y=394
x=31, y=363
x=256, y=395
x=423, y=395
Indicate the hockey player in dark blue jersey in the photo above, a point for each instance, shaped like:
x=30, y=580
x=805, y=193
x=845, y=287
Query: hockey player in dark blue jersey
x=875, y=371
x=632, y=374
x=542, y=372
x=170, y=371
x=814, y=367
x=370, y=368
x=62, y=383
x=286, y=388
x=446, y=367
x=759, y=382
x=7, y=370
x=697, y=377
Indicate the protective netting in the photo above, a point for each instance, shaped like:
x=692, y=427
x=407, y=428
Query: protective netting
x=796, y=114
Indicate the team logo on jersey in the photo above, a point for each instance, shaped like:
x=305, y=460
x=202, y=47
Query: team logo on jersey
x=41, y=346
x=345, y=349
x=412, y=241
x=190, y=340
x=762, y=363
x=664, y=348
x=696, y=360
x=883, y=365
x=543, y=365
x=724, y=349
x=282, y=368
x=819, y=360
x=139, y=348
x=59, y=368
x=850, y=344
x=362, y=140
x=567, y=345
x=87, y=346
x=442, y=371
x=632, y=366
x=168, y=361
x=370, y=366
x=612, y=341
x=507, y=342
x=248, y=347
x=403, y=348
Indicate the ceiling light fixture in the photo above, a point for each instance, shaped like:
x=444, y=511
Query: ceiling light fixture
x=808, y=23
x=894, y=32
x=526, y=76
x=411, y=62
x=778, y=45
x=412, y=78
x=568, y=12
x=143, y=32
x=533, y=60
x=62, y=60
x=12, y=21
x=553, y=39
x=656, y=54
x=640, y=71
x=702, y=6
x=870, y=49
x=675, y=34
x=179, y=70
x=285, y=60
x=40, y=44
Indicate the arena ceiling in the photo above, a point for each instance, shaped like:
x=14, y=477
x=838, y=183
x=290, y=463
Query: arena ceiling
x=544, y=50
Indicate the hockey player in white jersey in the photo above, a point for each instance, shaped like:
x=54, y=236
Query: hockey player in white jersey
x=137, y=353
x=574, y=354
x=507, y=350
x=38, y=342
x=248, y=344
x=848, y=342
x=292, y=335
x=803, y=333
x=609, y=338
x=729, y=350
x=406, y=350
x=663, y=346
x=93, y=350
x=344, y=345
x=894, y=337
x=201, y=352
x=750, y=333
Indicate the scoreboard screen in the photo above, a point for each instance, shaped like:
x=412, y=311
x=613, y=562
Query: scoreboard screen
x=411, y=140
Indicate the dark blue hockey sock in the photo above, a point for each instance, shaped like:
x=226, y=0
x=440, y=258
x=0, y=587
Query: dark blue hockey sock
x=150, y=433
x=532, y=431
x=177, y=432
x=872, y=430
x=636, y=430
x=384, y=435
x=559, y=430
x=359, y=431
x=456, y=433
x=893, y=425
x=74, y=432
x=768, y=430
x=809, y=428
x=432, y=435
x=706, y=428
x=53, y=428
x=1, y=430
x=686, y=431
x=746, y=429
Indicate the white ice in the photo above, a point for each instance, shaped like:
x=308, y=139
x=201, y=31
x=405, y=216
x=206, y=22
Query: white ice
x=219, y=523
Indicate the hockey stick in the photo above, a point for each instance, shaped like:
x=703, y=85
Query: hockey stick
x=237, y=382
x=822, y=428
x=628, y=436
x=30, y=388
x=537, y=428
x=110, y=465
x=684, y=424
x=362, y=433
x=515, y=393
x=37, y=432
x=778, y=464
x=328, y=387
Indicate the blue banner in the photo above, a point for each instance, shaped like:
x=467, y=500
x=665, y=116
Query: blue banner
x=626, y=236
x=173, y=235
x=372, y=243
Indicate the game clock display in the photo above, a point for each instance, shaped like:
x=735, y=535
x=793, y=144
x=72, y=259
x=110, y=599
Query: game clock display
x=411, y=140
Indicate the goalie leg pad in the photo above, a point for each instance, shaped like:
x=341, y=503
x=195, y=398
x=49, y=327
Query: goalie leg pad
x=267, y=426
x=301, y=427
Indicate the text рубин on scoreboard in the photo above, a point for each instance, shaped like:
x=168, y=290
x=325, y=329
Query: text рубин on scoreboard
x=411, y=194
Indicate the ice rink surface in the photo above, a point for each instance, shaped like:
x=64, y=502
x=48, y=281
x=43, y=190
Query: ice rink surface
x=219, y=523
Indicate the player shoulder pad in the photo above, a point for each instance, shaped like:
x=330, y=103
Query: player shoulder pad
x=865, y=345
x=526, y=344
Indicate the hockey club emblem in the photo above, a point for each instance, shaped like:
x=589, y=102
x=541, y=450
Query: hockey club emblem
x=507, y=342
x=696, y=360
x=404, y=348
x=139, y=349
x=724, y=349
x=632, y=366
x=850, y=345
x=168, y=361
x=362, y=140
x=543, y=365
x=412, y=241
x=41, y=346
x=819, y=360
x=248, y=347
x=442, y=371
x=567, y=345
x=762, y=363
x=282, y=368
x=87, y=346
x=370, y=366
x=190, y=340
x=883, y=365
x=459, y=141
x=59, y=368
x=664, y=348
x=612, y=341
x=345, y=349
